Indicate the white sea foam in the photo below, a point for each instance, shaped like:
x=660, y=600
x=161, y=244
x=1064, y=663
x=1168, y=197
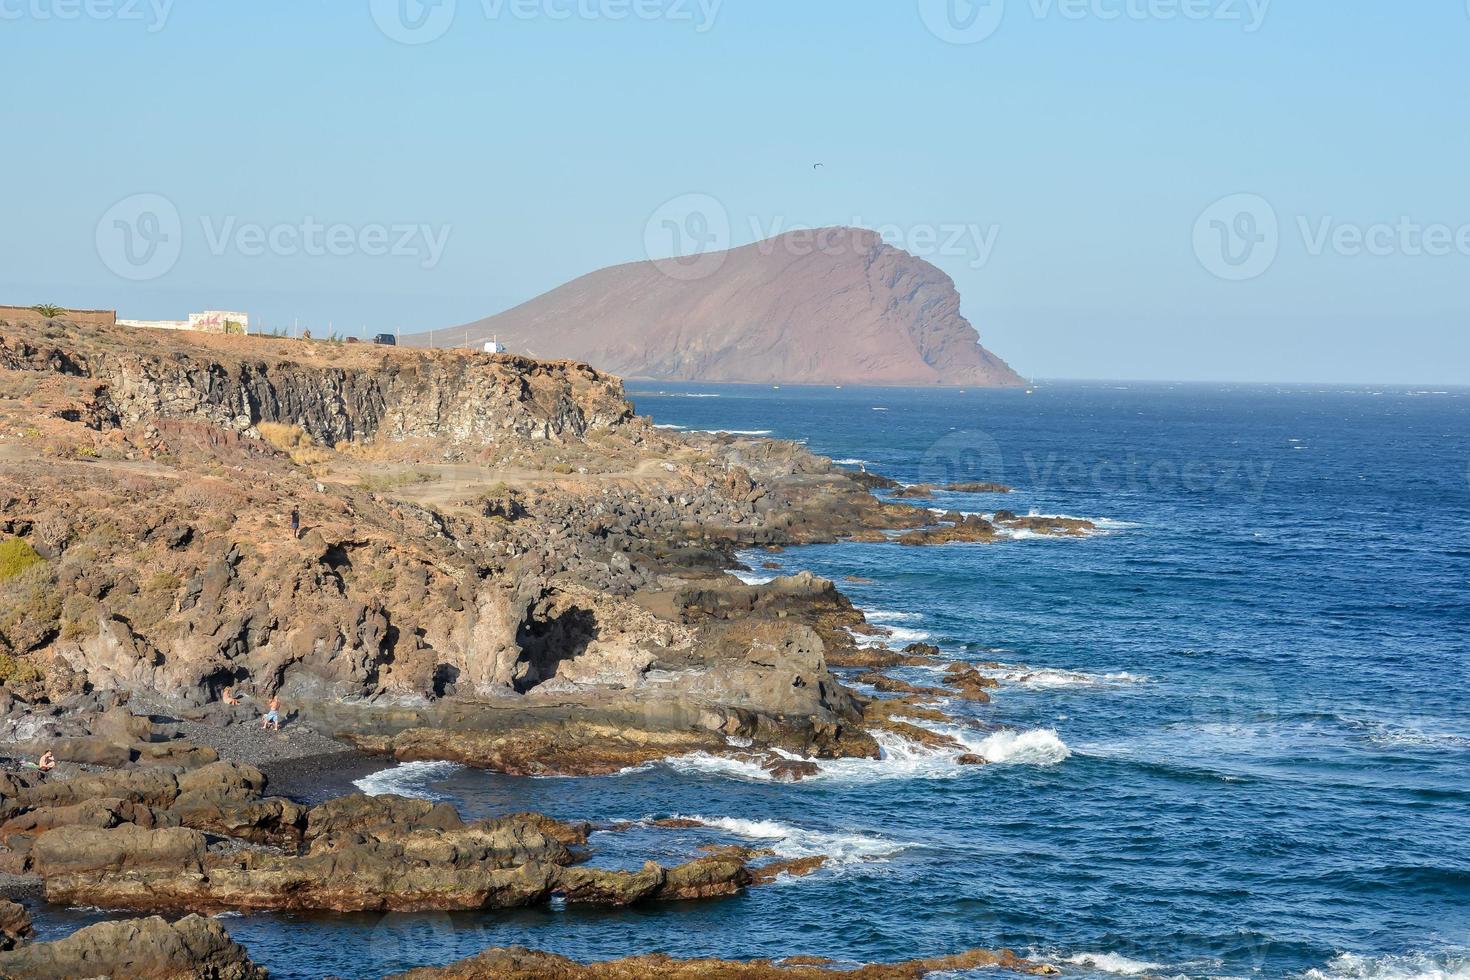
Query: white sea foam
x=1048, y=678
x=1418, y=966
x=1113, y=963
x=901, y=758
x=737, y=432
x=754, y=578
x=1032, y=747
x=851, y=462
x=671, y=426
x=891, y=616
x=794, y=842
x=893, y=637
x=408, y=779
x=1395, y=736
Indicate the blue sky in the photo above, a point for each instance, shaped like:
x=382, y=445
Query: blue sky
x=1060, y=161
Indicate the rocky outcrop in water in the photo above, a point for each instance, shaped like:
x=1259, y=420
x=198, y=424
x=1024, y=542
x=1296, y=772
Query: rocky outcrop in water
x=193, y=948
x=523, y=964
x=208, y=840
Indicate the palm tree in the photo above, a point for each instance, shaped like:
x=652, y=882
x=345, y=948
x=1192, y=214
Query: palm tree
x=49, y=311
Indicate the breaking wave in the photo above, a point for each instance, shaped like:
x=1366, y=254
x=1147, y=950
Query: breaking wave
x=1031, y=747
x=1418, y=966
x=1049, y=678
x=754, y=578
x=901, y=758
x=408, y=779
x=1113, y=963
x=794, y=842
x=893, y=637
x=889, y=616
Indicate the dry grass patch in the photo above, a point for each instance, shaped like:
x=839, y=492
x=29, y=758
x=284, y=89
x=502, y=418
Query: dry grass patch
x=16, y=556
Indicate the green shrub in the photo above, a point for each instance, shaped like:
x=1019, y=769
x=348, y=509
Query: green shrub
x=14, y=671
x=16, y=556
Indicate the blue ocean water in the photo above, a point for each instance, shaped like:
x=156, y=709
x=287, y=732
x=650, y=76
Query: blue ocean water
x=1233, y=739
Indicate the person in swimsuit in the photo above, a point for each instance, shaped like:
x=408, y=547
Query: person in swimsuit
x=272, y=717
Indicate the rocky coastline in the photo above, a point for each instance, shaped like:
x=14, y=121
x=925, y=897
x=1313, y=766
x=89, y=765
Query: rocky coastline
x=499, y=565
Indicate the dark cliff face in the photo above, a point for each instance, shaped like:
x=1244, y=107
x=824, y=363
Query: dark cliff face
x=487, y=538
x=834, y=306
x=451, y=396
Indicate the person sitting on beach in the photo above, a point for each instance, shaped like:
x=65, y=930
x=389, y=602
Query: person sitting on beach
x=272, y=717
x=44, y=766
x=229, y=696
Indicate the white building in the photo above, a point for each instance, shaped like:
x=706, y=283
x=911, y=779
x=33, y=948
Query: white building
x=220, y=321
x=210, y=321
x=494, y=346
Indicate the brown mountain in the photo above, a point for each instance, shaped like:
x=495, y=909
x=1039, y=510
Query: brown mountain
x=833, y=306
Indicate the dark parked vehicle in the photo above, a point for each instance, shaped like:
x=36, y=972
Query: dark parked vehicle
x=386, y=338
